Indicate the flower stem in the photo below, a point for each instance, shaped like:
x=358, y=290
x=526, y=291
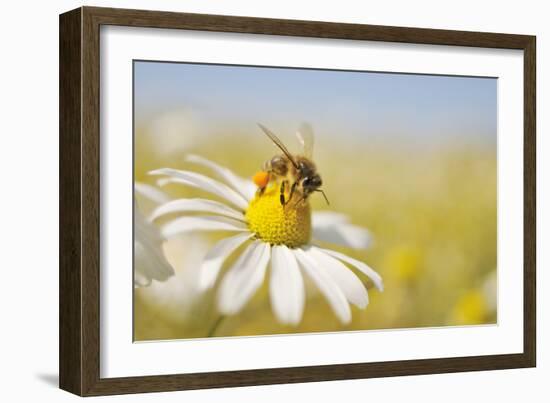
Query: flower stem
x=215, y=326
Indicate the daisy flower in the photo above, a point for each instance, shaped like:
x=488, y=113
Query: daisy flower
x=268, y=235
x=149, y=260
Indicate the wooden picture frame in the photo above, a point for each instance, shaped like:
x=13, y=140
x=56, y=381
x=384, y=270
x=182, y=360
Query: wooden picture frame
x=79, y=346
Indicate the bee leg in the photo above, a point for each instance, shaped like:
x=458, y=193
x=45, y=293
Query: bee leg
x=292, y=189
x=282, y=195
x=261, y=188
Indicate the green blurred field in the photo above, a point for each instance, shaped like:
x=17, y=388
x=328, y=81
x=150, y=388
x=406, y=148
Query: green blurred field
x=431, y=211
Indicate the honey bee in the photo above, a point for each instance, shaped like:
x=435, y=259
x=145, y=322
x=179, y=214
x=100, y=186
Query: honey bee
x=296, y=173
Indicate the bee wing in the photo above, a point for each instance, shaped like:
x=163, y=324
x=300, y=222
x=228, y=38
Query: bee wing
x=279, y=144
x=306, y=138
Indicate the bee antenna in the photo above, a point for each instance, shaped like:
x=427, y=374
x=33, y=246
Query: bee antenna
x=324, y=195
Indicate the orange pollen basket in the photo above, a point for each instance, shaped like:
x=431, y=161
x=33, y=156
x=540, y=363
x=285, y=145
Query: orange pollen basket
x=261, y=179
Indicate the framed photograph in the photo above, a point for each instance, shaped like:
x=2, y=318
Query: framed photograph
x=249, y=201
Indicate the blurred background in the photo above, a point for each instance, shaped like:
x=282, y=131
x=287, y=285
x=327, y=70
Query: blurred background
x=412, y=158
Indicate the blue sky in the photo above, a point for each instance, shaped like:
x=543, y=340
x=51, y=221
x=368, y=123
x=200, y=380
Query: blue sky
x=361, y=104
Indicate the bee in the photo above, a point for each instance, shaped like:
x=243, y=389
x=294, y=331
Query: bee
x=296, y=173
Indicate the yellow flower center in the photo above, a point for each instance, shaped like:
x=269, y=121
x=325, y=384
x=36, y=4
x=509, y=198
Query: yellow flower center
x=288, y=225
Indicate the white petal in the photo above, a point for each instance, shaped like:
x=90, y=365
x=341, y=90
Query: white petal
x=286, y=286
x=202, y=182
x=374, y=276
x=243, y=278
x=196, y=205
x=182, y=225
x=334, y=228
x=327, y=286
x=329, y=218
x=141, y=280
x=149, y=262
x=245, y=187
x=215, y=257
x=349, y=283
x=347, y=235
x=150, y=192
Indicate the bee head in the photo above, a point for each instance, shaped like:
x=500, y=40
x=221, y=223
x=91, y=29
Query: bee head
x=310, y=183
